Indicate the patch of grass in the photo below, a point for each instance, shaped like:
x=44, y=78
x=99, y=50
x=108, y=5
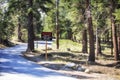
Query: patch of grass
x=68, y=45
x=106, y=49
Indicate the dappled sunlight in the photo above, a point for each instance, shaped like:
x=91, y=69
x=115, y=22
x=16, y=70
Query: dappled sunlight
x=12, y=64
x=5, y=60
x=22, y=62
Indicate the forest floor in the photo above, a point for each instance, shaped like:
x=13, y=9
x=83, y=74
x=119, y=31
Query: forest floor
x=105, y=68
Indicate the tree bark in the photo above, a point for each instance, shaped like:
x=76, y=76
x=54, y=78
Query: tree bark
x=19, y=31
x=119, y=46
x=1, y=41
x=30, y=47
x=57, y=25
x=114, y=31
x=69, y=34
x=107, y=37
x=119, y=40
x=98, y=43
x=84, y=41
x=91, y=33
x=111, y=43
x=98, y=48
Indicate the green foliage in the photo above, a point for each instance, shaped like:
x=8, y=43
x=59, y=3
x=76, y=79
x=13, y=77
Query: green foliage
x=6, y=25
x=30, y=10
x=64, y=35
x=24, y=37
x=71, y=16
x=73, y=46
x=117, y=15
x=19, y=8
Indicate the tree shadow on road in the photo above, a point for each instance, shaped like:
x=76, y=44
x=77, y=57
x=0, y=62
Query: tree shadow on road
x=12, y=62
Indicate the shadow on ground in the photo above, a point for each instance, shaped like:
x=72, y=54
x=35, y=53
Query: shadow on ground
x=12, y=62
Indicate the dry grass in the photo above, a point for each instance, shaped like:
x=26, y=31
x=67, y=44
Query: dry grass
x=59, y=59
x=104, y=64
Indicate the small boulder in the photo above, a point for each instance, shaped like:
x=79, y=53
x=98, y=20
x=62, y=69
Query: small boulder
x=87, y=71
x=70, y=65
x=80, y=69
x=67, y=69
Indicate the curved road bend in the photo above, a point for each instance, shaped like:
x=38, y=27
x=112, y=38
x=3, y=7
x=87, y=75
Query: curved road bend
x=14, y=67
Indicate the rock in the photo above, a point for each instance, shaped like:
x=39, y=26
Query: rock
x=73, y=66
x=70, y=65
x=67, y=69
x=80, y=68
x=87, y=71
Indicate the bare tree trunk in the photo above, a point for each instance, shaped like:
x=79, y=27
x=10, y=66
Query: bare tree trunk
x=98, y=48
x=57, y=24
x=119, y=39
x=98, y=43
x=119, y=45
x=84, y=41
x=107, y=37
x=74, y=38
x=111, y=43
x=1, y=41
x=90, y=32
x=30, y=29
x=19, y=31
x=114, y=31
x=70, y=34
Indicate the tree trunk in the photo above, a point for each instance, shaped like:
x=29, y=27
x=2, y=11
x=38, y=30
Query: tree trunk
x=57, y=25
x=114, y=31
x=0, y=40
x=19, y=31
x=119, y=39
x=70, y=34
x=91, y=33
x=30, y=47
x=111, y=43
x=98, y=43
x=107, y=37
x=98, y=48
x=84, y=41
x=119, y=45
x=74, y=38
